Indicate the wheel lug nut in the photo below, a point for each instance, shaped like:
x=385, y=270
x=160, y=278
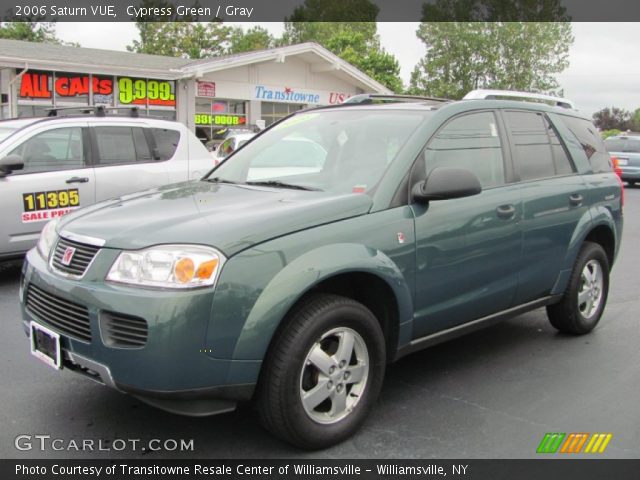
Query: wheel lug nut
x=342, y=364
x=331, y=370
x=339, y=388
x=346, y=375
x=329, y=385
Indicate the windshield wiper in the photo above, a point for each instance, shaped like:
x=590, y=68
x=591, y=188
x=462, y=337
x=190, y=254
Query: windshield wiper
x=278, y=183
x=219, y=180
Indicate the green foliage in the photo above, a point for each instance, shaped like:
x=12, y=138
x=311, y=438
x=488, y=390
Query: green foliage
x=256, y=38
x=347, y=11
x=610, y=133
x=179, y=37
x=355, y=42
x=462, y=56
x=29, y=31
x=494, y=11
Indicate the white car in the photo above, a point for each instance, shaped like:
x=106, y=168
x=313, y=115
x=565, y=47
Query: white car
x=50, y=166
x=230, y=145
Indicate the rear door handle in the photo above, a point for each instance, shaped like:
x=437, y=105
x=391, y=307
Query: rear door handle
x=575, y=200
x=77, y=180
x=506, y=212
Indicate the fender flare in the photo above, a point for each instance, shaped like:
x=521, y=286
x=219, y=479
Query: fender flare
x=302, y=274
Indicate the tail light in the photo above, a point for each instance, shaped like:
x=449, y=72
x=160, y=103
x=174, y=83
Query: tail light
x=616, y=166
x=618, y=170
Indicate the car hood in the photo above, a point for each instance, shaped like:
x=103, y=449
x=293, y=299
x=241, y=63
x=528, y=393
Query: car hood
x=228, y=217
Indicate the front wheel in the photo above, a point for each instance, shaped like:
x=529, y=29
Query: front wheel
x=323, y=372
x=583, y=302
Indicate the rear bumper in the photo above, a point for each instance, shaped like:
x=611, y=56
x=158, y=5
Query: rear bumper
x=630, y=173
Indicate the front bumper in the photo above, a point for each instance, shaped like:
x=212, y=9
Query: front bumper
x=175, y=369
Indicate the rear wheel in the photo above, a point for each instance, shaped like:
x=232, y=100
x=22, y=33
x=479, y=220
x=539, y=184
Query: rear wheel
x=323, y=372
x=583, y=302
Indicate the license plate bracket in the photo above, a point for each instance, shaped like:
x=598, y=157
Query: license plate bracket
x=45, y=345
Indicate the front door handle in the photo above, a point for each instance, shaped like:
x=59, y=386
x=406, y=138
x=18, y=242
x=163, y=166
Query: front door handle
x=575, y=200
x=506, y=212
x=77, y=180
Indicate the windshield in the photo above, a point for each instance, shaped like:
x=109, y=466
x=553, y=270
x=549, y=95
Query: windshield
x=342, y=151
x=631, y=145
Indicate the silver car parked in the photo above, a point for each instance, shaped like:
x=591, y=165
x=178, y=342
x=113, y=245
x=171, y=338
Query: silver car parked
x=51, y=166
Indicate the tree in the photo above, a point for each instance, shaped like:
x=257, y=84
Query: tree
x=613, y=119
x=181, y=39
x=179, y=36
x=462, y=56
x=256, y=38
x=356, y=42
x=29, y=31
x=509, y=44
x=494, y=11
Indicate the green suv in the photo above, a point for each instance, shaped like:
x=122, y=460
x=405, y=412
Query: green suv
x=292, y=280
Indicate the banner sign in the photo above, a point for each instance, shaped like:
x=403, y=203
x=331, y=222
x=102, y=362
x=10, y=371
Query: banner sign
x=39, y=85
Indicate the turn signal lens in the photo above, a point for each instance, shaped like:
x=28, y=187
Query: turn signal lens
x=206, y=269
x=184, y=270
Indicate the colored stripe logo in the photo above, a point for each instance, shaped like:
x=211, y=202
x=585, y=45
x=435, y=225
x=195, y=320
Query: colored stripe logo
x=555, y=442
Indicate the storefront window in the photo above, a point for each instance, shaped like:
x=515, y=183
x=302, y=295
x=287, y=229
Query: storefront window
x=272, y=112
x=213, y=115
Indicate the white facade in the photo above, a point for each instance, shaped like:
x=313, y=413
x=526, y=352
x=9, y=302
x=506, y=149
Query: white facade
x=254, y=88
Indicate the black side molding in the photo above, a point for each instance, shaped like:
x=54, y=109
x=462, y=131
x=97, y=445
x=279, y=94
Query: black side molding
x=459, y=330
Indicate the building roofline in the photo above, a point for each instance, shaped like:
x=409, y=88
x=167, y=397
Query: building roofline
x=222, y=63
x=185, y=68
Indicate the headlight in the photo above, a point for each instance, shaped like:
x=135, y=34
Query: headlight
x=168, y=266
x=47, y=238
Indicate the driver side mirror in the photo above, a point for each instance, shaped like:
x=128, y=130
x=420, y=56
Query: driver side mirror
x=10, y=163
x=445, y=183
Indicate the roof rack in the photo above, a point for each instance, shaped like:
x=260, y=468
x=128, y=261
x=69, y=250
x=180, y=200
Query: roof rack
x=496, y=94
x=368, y=98
x=98, y=110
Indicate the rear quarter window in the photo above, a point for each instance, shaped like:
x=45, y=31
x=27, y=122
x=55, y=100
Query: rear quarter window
x=166, y=142
x=591, y=142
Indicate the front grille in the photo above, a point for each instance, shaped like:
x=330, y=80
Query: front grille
x=65, y=316
x=124, y=331
x=81, y=259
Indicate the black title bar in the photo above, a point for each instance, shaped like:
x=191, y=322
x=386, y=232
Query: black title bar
x=548, y=469
x=331, y=10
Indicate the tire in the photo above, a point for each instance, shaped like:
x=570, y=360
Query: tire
x=583, y=302
x=305, y=358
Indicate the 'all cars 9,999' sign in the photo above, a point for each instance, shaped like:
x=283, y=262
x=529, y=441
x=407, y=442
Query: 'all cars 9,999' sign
x=140, y=91
x=77, y=87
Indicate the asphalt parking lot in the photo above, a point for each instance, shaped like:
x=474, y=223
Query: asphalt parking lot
x=492, y=394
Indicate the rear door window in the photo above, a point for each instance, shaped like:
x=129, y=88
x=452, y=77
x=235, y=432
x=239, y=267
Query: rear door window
x=537, y=148
x=121, y=145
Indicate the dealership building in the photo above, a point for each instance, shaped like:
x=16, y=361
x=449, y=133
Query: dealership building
x=253, y=88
